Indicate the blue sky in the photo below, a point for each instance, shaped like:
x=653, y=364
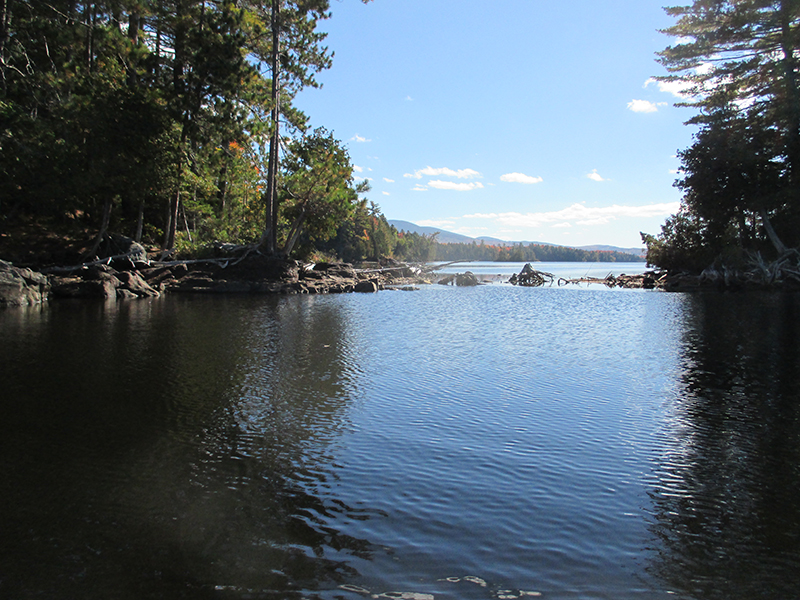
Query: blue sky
x=531, y=120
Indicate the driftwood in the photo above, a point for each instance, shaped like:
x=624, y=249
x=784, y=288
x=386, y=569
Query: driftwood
x=99, y=261
x=223, y=262
x=530, y=277
x=432, y=268
x=648, y=280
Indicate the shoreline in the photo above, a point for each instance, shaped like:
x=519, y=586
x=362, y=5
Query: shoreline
x=132, y=274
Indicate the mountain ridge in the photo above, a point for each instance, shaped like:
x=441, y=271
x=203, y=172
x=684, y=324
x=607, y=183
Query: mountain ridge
x=449, y=237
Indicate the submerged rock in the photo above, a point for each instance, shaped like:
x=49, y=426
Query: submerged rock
x=467, y=279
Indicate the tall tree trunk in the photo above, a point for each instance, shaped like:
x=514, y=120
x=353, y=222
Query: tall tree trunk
x=222, y=187
x=780, y=248
x=172, y=215
x=5, y=26
x=89, y=17
x=103, y=226
x=133, y=36
x=179, y=91
x=157, y=69
x=137, y=236
x=294, y=232
x=271, y=212
x=787, y=14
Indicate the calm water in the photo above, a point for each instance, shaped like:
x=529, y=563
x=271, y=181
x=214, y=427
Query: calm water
x=489, y=442
x=567, y=270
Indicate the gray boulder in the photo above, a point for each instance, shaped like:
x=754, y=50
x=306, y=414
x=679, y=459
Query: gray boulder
x=136, y=254
x=466, y=279
x=74, y=287
x=367, y=286
x=133, y=282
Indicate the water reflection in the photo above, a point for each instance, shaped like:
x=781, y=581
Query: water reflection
x=728, y=493
x=179, y=449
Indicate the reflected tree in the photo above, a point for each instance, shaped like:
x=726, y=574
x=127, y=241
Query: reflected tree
x=197, y=461
x=727, y=499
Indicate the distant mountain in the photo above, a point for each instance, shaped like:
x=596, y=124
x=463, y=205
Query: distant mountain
x=448, y=237
x=602, y=248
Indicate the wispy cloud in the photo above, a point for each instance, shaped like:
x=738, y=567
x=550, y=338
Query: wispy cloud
x=578, y=214
x=644, y=106
x=452, y=185
x=359, y=138
x=595, y=176
x=358, y=169
x=443, y=171
x=386, y=193
x=387, y=180
x=419, y=188
x=520, y=178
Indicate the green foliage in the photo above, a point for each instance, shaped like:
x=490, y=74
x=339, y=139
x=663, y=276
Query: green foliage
x=416, y=247
x=530, y=253
x=738, y=62
x=681, y=246
x=317, y=187
x=158, y=112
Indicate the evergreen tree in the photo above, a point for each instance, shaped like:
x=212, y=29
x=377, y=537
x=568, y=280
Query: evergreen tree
x=156, y=116
x=738, y=61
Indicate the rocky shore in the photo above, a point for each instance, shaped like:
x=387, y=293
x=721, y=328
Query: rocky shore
x=131, y=275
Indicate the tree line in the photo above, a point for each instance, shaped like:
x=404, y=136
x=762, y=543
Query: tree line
x=171, y=121
x=738, y=62
x=530, y=253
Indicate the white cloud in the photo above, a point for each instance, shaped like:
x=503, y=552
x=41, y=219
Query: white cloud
x=677, y=88
x=644, y=106
x=359, y=138
x=704, y=68
x=680, y=87
x=419, y=188
x=409, y=99
x=438, y=172
x=358, y=169
x=432, y=223
x=579, y=214
x=451, y=185
x=520, y=178
x=387, y=180
x=595, y=176
x=562, y=226
x=386, y=193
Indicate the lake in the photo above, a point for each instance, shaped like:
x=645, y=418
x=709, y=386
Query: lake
x=493, y=442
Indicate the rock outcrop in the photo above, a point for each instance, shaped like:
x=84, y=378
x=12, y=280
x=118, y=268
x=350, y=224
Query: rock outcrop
x=21, y=287
x=130, y=275
x=101, y=281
